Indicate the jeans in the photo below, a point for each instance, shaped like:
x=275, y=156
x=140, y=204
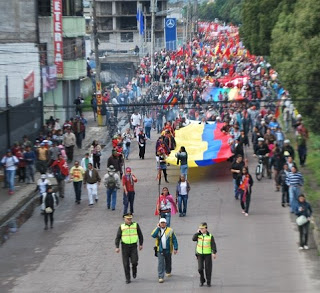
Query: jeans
x=159, y=126
x=164, y=263
x=235, y=187
x=182, y=200
x=148, y=131
x=126, y=151
x=184, y=171
x=77, y=189
x=285, y=194
x=294, y=192
x=304, y=233
x=30, y=173
x=111, y=198
x=167, y=216
x=10, y=175
x=128, y=199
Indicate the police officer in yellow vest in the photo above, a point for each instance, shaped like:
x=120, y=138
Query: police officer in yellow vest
x=129, y=233
x=206, y=250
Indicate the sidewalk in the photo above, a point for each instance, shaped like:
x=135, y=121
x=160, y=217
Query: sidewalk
x=12, y=207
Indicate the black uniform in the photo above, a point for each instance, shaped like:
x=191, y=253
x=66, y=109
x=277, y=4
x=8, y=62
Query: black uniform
x=129, y=251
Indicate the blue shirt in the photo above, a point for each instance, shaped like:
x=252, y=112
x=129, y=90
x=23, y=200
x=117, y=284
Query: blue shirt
x=147, y=122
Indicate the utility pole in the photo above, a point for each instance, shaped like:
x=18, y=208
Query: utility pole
x=195, y=16
x=8, y=113
x=96, y=54
x=153, y=9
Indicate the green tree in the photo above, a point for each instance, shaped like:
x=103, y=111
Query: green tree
x=295, y=53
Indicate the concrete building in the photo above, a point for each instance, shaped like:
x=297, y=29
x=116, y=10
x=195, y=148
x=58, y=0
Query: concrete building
x=70, y=42
x=19, y=72
x=118, y=34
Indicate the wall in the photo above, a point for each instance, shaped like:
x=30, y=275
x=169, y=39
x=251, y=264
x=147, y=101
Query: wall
x=17, y=60
x=17, y=21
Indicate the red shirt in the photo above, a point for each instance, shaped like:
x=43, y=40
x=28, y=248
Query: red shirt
x=129, y=184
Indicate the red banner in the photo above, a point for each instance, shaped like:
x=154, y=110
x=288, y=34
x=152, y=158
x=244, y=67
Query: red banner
x=57, y=36
x=28, y=86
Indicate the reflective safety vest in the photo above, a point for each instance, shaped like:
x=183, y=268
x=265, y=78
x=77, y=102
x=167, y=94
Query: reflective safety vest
x=129, y=233
x=204, y=244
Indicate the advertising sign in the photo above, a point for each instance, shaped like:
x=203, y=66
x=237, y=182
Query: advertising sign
x=57, y=36
x=170, y=33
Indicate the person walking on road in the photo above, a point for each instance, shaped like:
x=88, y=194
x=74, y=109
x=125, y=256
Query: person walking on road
x=95, y=151
x=284, y=187
x=111, y=181
x=141, y=138
x=128, y=181
x=148, y=125
x=245, y=182
x=49, y=201
x=182, y=158
x=30, y=159
x=166, y=243
x=61, y=171
x=304, y=209
x=236, y=168
x=182, y=193
x=91, y=180
x=294, y=181
x=76, y=175
x=10, y=163
x=85, y=161
x=166, y=206
x=129, y=234
x=69, y=141
x=206, y=250
x=127, y=137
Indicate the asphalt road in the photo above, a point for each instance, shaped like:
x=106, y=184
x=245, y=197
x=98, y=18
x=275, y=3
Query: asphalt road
x=256, y=254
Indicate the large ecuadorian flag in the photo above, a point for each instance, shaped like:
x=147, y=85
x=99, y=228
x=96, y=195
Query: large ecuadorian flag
x=204, y=143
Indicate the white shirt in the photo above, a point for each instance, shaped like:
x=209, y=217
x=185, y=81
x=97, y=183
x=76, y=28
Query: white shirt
x=183, y=187
x=90, y=173
x=135, y=119
x=163, y=238
x=10, y=162
x=43, y=185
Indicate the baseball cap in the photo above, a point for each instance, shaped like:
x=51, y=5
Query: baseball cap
x=260, y=139
x=287, y=141
x=43, y=176
x=128, y=169
x=162, y=220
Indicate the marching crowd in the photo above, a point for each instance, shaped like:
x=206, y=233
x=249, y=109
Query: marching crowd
x=179, y=89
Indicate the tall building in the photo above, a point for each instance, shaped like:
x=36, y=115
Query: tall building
x=118, y=32
x=62, y=31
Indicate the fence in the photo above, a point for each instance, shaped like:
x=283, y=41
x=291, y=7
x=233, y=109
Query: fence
x=24, y=119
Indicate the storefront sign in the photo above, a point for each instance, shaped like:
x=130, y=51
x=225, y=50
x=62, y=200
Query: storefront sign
x=57, y=36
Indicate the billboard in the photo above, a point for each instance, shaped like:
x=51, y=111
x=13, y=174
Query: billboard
x=28, y=86
x=170, y=33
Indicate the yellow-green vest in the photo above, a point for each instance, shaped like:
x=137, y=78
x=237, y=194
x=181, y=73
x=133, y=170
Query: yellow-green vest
x=129, y=233
x=204, y=244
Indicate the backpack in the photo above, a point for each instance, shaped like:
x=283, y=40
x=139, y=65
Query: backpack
x=111, y=184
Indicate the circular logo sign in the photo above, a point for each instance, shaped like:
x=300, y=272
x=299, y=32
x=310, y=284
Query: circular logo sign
x=170, y=23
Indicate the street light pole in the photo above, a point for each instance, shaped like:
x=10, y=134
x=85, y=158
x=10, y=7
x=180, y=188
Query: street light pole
x=153, y=7
x=96, y=54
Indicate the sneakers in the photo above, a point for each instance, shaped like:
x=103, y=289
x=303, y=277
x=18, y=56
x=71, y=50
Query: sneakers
x=246, y=214
x=300, y=248
x=306, y=247
x=161, y=280
x=168, y=275
x=243, y=212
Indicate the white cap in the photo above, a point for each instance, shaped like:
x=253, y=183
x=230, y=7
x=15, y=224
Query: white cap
x=299, y=116
x=287, y=141
x=260, y=139
x=162, y=220
x=43, y=176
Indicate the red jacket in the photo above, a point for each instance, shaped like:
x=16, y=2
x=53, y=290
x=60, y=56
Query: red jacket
x=62, y=165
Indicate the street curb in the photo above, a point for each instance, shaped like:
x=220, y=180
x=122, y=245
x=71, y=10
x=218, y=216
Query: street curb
x=17, y=216
x=316, y=233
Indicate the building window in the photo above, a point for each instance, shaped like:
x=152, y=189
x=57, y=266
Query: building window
x=128, y=23
x=73, y=48
x=72, y=8
x=104, y=37
x=44, y=7
x=127, y=37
